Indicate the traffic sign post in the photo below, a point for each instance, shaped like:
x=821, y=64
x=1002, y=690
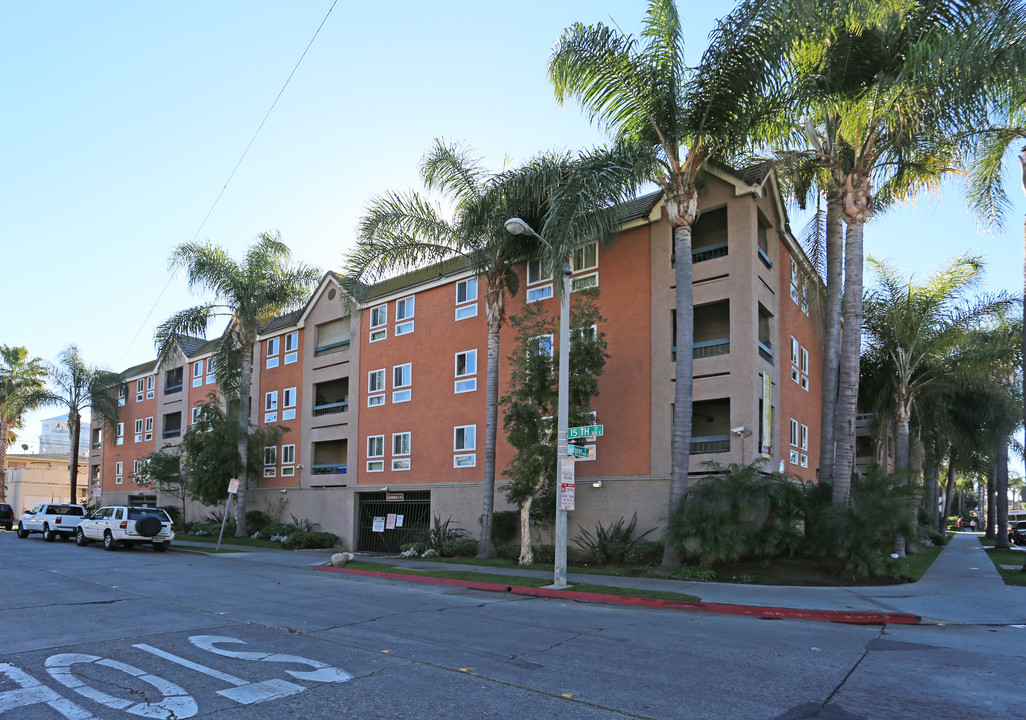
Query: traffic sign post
x=233, y=487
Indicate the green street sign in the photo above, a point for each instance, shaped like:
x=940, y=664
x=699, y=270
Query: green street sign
x=579, y=451
x=586, y=431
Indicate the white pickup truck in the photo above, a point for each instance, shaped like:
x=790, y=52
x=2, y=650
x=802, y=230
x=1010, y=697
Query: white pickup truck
x=53, y=520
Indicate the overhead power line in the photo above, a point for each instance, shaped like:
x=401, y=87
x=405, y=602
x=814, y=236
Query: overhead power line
x=230, y=176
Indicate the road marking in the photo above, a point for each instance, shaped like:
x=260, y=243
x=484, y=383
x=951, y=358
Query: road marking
x=32, y=692
x=176, y=702
x=245, y=692
x=321, y=672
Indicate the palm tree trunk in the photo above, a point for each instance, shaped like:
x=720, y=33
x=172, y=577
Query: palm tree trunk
x=949, y=496
x=832, y=341
x=526, y=551
x=74, y=425
x=485, y=548
x=5, y=433
x=684, y=378
x=931, y=482
x=245, y=390
x=1001, y=505
x=848, y=370
x=989, y=528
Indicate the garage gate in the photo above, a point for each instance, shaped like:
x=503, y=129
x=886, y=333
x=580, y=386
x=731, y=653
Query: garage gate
x=408, y=514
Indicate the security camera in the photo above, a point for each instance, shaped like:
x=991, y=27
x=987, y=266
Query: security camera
x=739, y=430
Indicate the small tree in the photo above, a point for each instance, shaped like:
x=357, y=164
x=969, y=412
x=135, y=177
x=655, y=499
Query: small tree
x=530, y=405
x=211, y=455
x=21, y=380
x=162, y=471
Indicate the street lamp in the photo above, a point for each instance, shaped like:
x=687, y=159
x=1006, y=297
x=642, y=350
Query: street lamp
x=516, y=226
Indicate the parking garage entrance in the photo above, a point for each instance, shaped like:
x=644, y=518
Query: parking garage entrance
x=391, y=519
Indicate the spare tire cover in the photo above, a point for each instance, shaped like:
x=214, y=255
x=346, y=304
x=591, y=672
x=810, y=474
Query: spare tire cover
x=148, y=526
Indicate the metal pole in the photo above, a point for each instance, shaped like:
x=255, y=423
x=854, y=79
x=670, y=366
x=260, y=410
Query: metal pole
x=563, y=410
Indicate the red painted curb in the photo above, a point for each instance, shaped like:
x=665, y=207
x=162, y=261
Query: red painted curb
x=868, y=617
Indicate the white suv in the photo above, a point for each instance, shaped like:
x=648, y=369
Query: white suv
x=127, y=525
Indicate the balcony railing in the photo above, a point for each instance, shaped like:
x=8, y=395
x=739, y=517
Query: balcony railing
x=169, y=389
x=331, y=349
x=765, y=258
x=765, y=350
x=710, y=444
x=171, y=433
x=329, y=469
x=708, y=252
x=330, y=408
x=709, y=348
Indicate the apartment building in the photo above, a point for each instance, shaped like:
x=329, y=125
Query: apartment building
x=385, y=408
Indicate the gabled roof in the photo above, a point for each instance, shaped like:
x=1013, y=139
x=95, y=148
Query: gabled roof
x=282, y=321
x=640, y=207
x=417, y=277
x=143, y=369
x=190, y=345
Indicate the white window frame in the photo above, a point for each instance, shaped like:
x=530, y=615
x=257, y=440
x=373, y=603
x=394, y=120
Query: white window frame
x=288, y=471
x=465, y=460
x=376, y=391
x=582, y=250
x=795, y=375
x=119, y=468
x=271, y=400
x=467, y=380
x=151, y=381
x=288, y=454
x=196, y=414
x=137, y=467
x=292, y=341
x=804, y=382
x=122, y=394
x=469, y=291
x=578, y=283
x=804, y=437
x=270, y=455
x=288, y=403
x=211, y=363
x=402, y=384
x=378, y=323
x=401, y=457
x=140, y=389
x=405, y=308
x=542, y=292
x=794, y=350
x=121, y=434
x=804, y=460
x=793, y=457
x=794, y=433
x=551, y=346
x=804, y=364
x=149, y=429
x=465, y=447
x=197, y=374
x=537, y=272
x=464, y=312
x=376, y=465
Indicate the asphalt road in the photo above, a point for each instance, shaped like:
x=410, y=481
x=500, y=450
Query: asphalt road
x=86, y=633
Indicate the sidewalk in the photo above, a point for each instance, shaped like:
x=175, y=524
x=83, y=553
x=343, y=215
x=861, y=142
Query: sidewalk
x=961, y=587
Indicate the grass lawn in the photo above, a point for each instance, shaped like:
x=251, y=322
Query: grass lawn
x=521, y=581
x=249, y=542
x=1005, y=556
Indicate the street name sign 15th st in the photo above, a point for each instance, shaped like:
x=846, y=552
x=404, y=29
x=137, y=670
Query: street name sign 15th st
x=585, y=431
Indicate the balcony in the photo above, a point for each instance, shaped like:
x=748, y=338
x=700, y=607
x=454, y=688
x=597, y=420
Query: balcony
x=172, y=425
x=330, y=408
x=711, y=348
x=708, y=252
x=173, y=381
x=331, y=398
x=331, y=349
x=710, y=444
x=328, y=469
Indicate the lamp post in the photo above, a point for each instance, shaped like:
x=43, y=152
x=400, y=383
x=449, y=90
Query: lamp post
x=516, y=226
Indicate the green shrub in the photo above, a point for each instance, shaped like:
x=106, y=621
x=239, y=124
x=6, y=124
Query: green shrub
x=505, y=527
x=508, y=551
x=209, y=528
x=301, y=540
x=442, y=533
x=860, y=533
x=689, y=572
x=301, y=525
x=609, y=545
x=645, y=552
x=274, y=530
x=464, y=547
x=256, y=520
x=739, y=512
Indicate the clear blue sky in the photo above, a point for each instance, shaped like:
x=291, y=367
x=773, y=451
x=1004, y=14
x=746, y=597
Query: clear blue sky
x=125, y=119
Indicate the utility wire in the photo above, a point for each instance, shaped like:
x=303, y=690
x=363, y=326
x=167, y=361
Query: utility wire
x=171, y=276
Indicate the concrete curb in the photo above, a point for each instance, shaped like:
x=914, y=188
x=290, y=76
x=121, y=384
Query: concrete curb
x=766, y=613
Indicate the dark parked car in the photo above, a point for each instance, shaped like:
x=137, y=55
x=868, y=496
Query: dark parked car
x=1018, y=535
x=6, y=516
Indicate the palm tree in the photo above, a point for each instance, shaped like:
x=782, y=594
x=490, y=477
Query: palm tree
x=878, y=73
x=265, y=284
x=569, y=200
x=20, y=380
x=645, y=94
x=74, y=386
x=919, y=330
